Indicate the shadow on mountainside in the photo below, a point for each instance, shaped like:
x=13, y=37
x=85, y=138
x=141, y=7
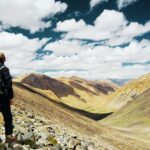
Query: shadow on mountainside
x=94, y=116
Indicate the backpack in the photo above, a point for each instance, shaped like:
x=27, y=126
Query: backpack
x=1, y=81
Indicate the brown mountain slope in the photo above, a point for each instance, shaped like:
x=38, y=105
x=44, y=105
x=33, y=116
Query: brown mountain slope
x=101, y=86
x=74, y=91
x=29, y=99
x=108, y=84
x=44, y=82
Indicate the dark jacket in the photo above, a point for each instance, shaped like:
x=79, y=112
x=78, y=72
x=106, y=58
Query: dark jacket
x=7, y=80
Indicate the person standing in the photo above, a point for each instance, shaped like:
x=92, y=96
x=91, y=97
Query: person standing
x=6, y=96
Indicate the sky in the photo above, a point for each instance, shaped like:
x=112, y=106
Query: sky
x=91, y=39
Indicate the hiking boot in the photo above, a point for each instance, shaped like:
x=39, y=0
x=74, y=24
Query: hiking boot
x=11, y=140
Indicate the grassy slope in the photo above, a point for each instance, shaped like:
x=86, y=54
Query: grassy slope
x=92, y=100
x=127, y=93
x=114, y=101
x=29, y=99
x=135, y=114
x=133, y=118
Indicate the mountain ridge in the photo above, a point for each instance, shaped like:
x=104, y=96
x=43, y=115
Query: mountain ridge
x=73, y=91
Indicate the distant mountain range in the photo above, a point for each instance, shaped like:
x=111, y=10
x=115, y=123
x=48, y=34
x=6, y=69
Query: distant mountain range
x=120, y=82
x=73, y=91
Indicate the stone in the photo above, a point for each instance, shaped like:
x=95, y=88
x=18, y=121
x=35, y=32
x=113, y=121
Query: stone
x=27, y=135
x=57, y=147
x=51, y=140
x=17, y=147
x=20, y=138
x=31, y=116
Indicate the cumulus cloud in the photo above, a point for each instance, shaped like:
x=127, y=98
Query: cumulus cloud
x=66, y=48
x=70, y=25
x=120, y=3
x=74, y=58
x=28, y=14
x=95, y=2
x=70, y=56
x=128, y=33
x=124, y=3
x=110, y=25
x=20, y=51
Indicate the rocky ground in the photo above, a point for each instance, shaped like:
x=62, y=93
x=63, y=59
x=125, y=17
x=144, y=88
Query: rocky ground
x=35, y=132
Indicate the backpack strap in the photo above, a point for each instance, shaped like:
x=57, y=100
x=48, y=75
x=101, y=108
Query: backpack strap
x=1, y=68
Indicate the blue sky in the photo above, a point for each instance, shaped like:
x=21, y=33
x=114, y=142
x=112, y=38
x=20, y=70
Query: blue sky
x=92, y=39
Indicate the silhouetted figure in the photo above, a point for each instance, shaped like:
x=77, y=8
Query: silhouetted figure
x=6, y=96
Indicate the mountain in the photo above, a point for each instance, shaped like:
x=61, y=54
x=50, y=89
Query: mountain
x=100, y=96
x=133, y=118
x=128, y=92
x=134, y=114
x=126, y=128
x=73, y=91
x=41, y=121
x=120, y=82
x=38, y=115
x=108, y=85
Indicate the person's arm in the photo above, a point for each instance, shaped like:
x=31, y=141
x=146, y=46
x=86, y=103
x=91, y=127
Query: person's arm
x=7, y=79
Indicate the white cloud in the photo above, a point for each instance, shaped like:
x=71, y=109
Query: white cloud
x=65, y=48
x=70, y=25
x=19, y=51
x=105, y=25
x=128, y=33
x=114, y=71
x=74, y=58
x=28, y=14
x=124, y=3
x=110, y=21
x=120, y=3
x=110, y=25
x=132, y=53
x=95, y=2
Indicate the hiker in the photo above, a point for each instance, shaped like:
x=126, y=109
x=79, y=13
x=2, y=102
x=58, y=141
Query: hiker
x=6, y=96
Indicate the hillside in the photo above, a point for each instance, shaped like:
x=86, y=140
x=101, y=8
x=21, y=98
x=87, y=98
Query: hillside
x=133, y=118
x=128, y=92
x=32, y=110
x=74, y=91
x=96, y=86
x=135, y=114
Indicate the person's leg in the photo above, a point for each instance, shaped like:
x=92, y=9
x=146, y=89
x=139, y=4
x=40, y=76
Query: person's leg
x=8, y=120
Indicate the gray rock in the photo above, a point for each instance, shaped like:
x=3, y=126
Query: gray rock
x=18, y=147
x=57, y=147
x=27, y=135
